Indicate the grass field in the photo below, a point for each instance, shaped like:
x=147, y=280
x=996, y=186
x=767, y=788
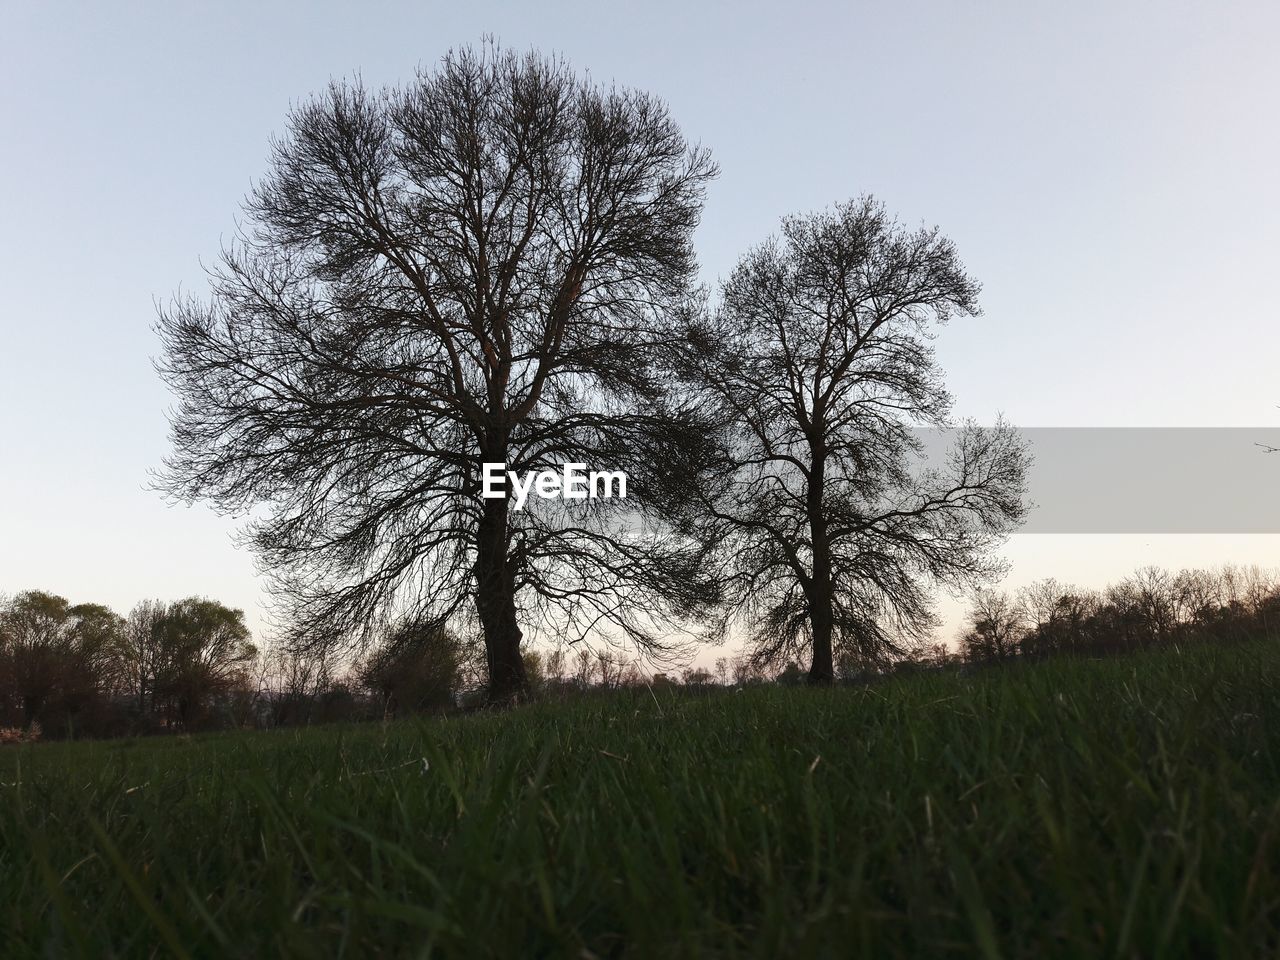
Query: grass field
x=1127, y=807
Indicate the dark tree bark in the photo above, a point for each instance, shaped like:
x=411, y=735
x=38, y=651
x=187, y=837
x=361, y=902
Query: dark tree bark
x=812, y=375
x=495, y=603
x=474, y=268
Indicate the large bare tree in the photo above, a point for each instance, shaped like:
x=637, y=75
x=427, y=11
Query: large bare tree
x=813, y=373
x=472, y=268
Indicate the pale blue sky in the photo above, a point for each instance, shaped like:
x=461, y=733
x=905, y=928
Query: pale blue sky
x=1106, y=169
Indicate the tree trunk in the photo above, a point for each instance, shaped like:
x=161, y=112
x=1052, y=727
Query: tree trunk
x=496, y=604
x=820, y=591
x=822, y=669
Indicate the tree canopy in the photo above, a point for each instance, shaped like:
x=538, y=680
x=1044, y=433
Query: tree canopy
x=813, y=374
x=475, y=267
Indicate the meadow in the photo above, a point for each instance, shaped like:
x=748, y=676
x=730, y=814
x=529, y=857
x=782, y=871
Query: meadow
x=1126, y=807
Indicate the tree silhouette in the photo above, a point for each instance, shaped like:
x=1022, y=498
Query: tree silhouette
x=416, y=668
x=810, y=376
x=36, y=633
x=997, y=625
x=473, y=268
x=55, y=655
x=205, y=651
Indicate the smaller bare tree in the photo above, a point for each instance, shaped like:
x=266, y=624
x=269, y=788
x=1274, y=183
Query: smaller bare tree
x=810, y=379
x=997, y=625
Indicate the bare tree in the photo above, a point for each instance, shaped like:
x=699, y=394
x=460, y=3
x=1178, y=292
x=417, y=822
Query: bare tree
x=297, y=679
x=631, y=674
x=556, y=665
x=1057, y=616
x=471, y=269
x=584, y=667
x=997, y=625
x=810, y=376
x=607, y=669
x=746, y=670
x=696, y=676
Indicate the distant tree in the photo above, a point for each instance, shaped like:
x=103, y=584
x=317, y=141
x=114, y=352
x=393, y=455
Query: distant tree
x=631, y=675
x=95, y=669
x=1250, y=586
x=204, y=652
x=810, y=377
x=474, y=268
x=746, y=670
x=1140, y=610
x=611, y=669
x=534, y=670
x=56, y=657
x=584, y=667
x=299, y=679
x=696, y=677
x=416, y=668
x=791, y=675
x=34, y=627
x=144, y=653
x=997, y=625
x=1151, y=607
x=556, y=665
x=1196, y=595
x=722, y=670
x=936, y=655
x=1059, y=617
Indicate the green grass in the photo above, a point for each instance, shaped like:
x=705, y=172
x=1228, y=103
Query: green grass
x=1127, y=807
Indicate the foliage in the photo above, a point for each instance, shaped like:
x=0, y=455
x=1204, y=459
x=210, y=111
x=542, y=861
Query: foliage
x=72, y=668
x=55, y=658
x=416, y=669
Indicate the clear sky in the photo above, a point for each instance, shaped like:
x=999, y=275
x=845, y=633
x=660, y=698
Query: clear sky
x=1107, y=170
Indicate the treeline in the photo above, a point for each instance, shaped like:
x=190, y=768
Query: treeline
x=83, y=670
x=1151, y=608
